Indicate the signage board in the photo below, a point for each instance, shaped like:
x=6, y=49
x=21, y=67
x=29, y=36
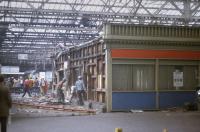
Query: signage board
x=22, y=56
x=178, y=79
x=9, y=69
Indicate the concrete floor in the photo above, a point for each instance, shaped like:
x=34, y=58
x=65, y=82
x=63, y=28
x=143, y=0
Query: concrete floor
x=130, y=122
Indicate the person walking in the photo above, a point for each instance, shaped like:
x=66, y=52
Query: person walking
x=73, y=93
x=43, y=87
x=80, y=88
x=27, y=87
x=36, y=87
x=60, y=93
x=5, y=104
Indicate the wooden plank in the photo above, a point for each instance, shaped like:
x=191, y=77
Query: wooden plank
x=54, y=107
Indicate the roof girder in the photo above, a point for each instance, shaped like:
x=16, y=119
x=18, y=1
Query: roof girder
x=55, y=26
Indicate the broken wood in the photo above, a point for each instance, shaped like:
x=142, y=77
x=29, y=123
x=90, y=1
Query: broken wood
x=54, y=107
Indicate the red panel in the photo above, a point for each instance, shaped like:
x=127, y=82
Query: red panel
x=152, y=54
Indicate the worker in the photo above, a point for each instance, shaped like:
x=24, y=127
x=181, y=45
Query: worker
x=80, y=88
x=27, y=87
x=43, y=87
x=60, y=93
x=36, y=88
x=73, y=93
x=5, y=104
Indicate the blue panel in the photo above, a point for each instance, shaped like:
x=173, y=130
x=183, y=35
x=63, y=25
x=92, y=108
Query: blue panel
x=133, y=100
x=176, y=98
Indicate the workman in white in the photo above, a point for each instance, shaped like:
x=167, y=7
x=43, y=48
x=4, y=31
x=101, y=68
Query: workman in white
x=80, y=88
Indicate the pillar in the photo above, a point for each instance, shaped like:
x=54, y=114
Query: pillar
x=108, y=73
x=157, y=82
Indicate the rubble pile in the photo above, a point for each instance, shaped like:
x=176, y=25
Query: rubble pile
x=49, y=103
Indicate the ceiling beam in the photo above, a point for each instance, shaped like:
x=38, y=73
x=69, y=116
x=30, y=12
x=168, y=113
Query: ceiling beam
x=91, y=14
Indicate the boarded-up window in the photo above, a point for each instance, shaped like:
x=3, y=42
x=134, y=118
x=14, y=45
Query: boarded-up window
x=122, y=77
x=190, y=77
x=166, y=79
x=133, y=77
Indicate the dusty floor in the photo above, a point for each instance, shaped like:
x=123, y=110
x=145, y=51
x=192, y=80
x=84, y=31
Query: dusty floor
x=39, y=120
x=107, y=122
